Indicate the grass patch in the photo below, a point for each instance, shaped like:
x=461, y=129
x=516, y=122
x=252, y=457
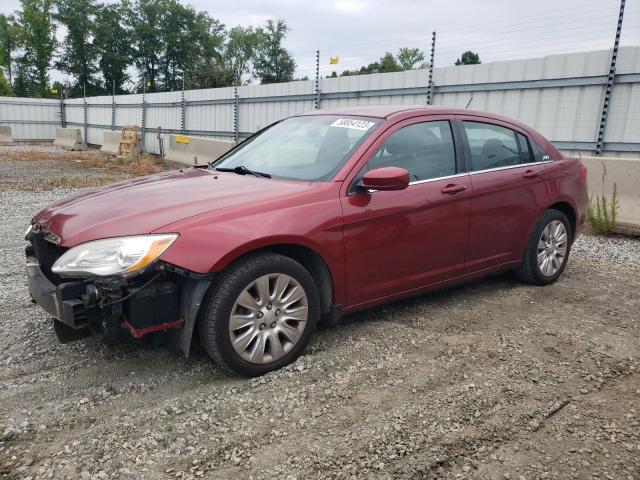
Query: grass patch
x=602, y=213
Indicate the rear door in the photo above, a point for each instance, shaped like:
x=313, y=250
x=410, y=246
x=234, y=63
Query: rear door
x=509, y=189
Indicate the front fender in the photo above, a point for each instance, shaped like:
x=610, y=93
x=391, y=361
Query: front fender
x=208, y=244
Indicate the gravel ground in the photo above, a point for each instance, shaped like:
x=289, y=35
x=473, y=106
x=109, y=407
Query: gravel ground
x=491, y=380
x=31, y=149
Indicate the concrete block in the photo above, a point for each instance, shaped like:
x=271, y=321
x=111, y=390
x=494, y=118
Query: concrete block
x=195, y=150
x=603, y=172
x=5, y=135
x=70, y=138
x=110, y=142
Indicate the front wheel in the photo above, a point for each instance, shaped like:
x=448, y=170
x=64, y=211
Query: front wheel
x=548, y=249
x=260, y=315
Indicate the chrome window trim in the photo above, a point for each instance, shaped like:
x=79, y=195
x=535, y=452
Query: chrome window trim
x=427, y=180
x=497, y=169
x=462, y=174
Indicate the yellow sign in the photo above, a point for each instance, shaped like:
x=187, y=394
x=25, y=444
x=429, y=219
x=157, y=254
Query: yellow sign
x=333, y=60
x=54, y=91
x=181, y=139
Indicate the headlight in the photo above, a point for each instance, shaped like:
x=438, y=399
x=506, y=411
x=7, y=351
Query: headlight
x=119, y=255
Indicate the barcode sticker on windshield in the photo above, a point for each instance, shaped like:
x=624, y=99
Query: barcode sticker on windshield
x=351, y=123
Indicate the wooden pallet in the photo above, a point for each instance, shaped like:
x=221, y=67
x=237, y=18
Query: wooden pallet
x=129, y=141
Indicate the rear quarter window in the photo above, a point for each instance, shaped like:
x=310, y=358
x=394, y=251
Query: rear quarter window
x=538, y=154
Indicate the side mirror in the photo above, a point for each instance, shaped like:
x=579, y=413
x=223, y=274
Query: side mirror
x=386, y=178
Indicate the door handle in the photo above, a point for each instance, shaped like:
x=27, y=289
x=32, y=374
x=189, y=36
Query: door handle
x=530, y=174
x=452, y=189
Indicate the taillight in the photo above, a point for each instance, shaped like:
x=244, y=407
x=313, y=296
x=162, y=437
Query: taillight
x=583, y=171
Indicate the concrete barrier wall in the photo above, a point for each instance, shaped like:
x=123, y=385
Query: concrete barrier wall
x=110, y=142
x=68, y=137
x=195, y=150
x=604, y=172
x=5, y=135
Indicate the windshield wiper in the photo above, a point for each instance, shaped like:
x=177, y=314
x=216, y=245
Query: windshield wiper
x=242, y=170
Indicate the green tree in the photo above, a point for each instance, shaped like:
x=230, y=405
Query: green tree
x=371, y=68
x=8, y=43
x=190, y=37
x=22, y=85
x=273, y=63
x=147, y=21
x=208, y=56
x=388, y=64
x=468, y=58
x=239, y=52
x=174, y=43
x=36, y=38
x=208, y=74
x=409, y=57
x=5, y=86
x=78, y=56
x=112, y=43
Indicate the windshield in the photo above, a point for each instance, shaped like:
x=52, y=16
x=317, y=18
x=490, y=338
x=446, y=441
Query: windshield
x=310, y=148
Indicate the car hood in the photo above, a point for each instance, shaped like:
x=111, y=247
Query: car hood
x=145, y=204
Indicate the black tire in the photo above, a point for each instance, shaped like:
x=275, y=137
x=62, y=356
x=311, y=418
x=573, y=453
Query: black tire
x=529, y=270
x=213, y=322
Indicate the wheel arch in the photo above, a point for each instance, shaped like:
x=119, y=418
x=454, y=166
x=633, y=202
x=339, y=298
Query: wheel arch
x=313, y=262
x=303, y=254
x=309, y=258
x=569, y=211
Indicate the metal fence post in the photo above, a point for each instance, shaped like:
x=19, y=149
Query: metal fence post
x=63, y=120
x=317, y=92
x=113, y=106
x=183, y=107
x=143, y=128
x=430, y=83
x=609, y=88
x=84, y=108
x=236, y=112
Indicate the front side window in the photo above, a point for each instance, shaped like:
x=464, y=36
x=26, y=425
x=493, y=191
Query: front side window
x=309, y=148
x=425, y=149
x=493, y=146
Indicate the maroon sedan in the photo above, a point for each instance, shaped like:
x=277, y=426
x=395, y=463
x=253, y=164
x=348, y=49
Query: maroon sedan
x=314, y=217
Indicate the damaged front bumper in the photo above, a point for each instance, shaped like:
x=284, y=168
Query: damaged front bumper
x=162, y=300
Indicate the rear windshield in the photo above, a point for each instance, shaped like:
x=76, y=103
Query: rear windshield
x=310, y=148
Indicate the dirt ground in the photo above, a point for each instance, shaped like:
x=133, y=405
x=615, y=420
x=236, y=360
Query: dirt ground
x=492, y=380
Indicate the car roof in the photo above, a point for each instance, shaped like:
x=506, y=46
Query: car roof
x=376, y=111
x=399, y=111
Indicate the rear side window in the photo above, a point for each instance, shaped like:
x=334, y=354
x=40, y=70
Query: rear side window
x=493, y=146
x=425, y=149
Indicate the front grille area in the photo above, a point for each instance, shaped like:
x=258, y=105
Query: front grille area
x=46, y=253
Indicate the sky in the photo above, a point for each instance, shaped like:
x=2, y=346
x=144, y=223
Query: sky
x=361, y=31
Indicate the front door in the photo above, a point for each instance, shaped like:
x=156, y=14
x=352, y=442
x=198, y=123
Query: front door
x=399, y=241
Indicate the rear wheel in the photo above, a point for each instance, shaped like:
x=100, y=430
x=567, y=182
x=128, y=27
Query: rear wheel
x=548, y=249
x=261, y=314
